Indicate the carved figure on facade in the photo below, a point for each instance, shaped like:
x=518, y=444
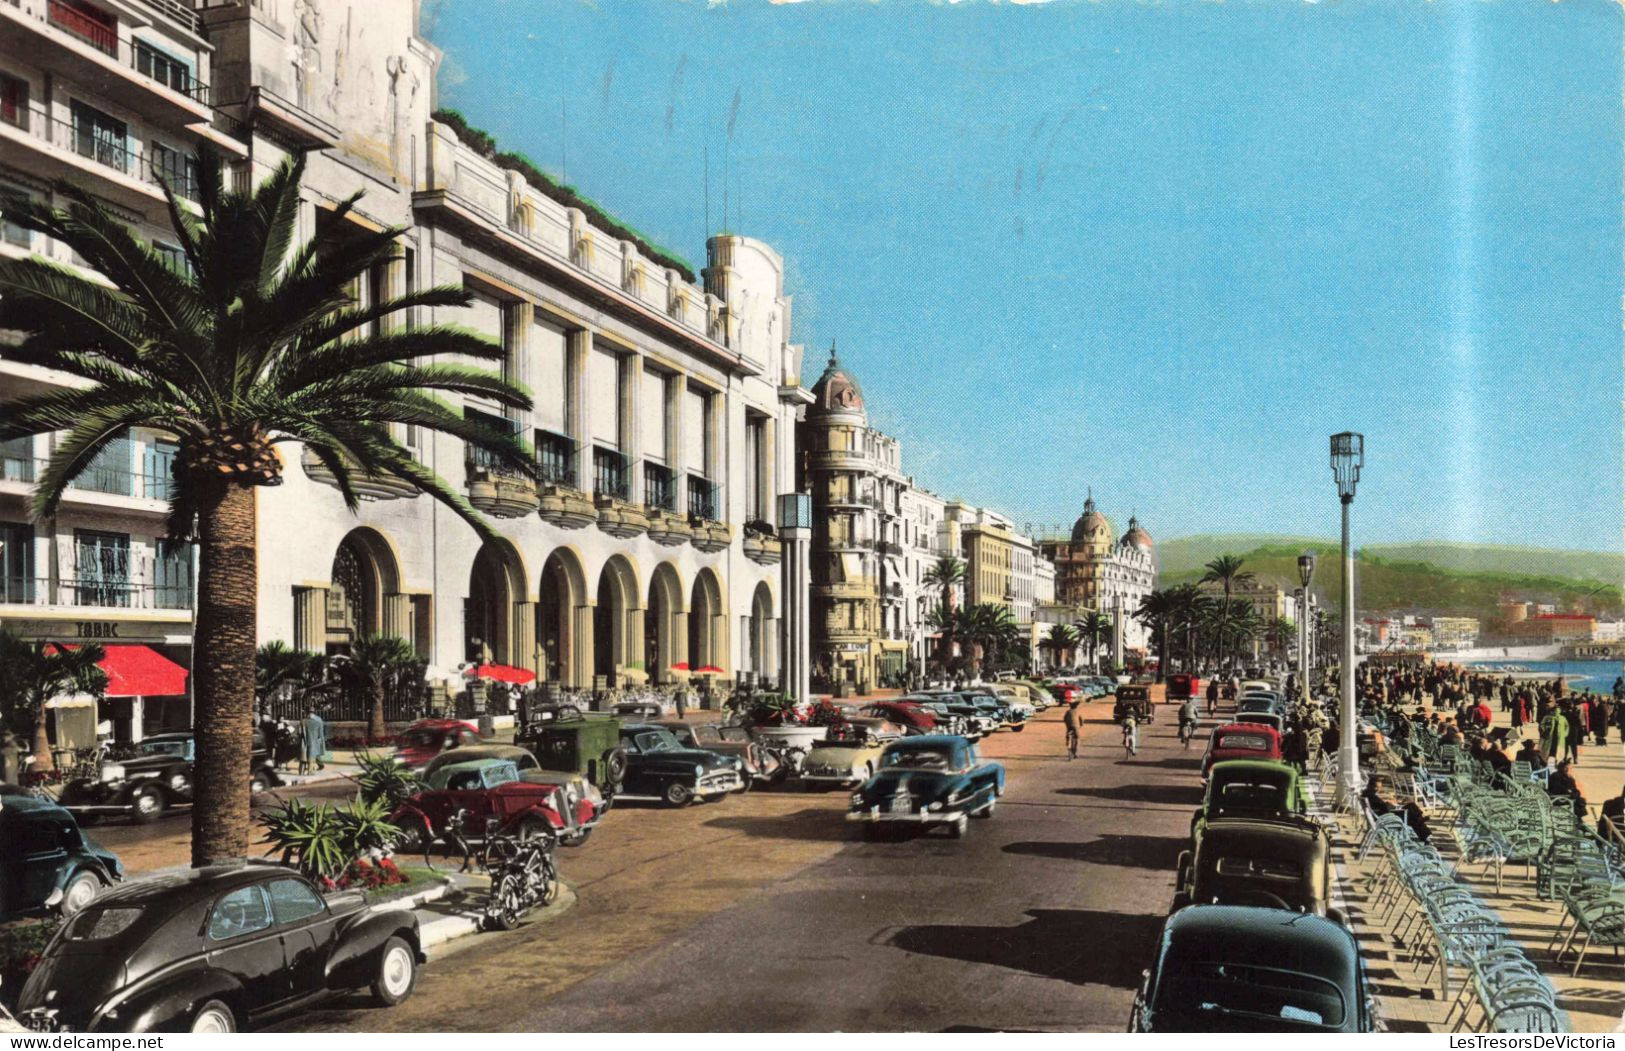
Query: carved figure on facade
x=307, y=54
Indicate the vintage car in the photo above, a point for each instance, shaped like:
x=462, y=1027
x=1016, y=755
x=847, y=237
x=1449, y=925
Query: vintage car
x=1035, y=695
x=873, y=727
x=990, y=704
x=953, y=717
x=659, y=767
x=1135, y=700
x=217, y=949
x=1067, y=692
x=156, y=778
x=847, y=762
x=758, y=764
x=584, y=744
x=911, y=718
x=1241, y=741
x=1273, y=720
x=490, y=789
x=427, y=738
x=1253, y=789
x=1255, y=686
x=46, y=862
x=8, y=1024
x=1014, y=699
x=1183, y=686
x=639, y=711
x=1242, y=969
x=924, y=781
x=1274, y=862
x=1100, y=685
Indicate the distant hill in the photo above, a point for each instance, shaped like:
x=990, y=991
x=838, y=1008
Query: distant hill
x=1390, y=584
x=1601, y=566
x=1186, y=553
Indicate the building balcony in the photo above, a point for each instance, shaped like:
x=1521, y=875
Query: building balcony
x=763, y=550
x=120, y=171
x=61, y=39
x=100, y=485
x=501, y=492
x=839, y=460
x=101, y=593
x=366, y=486
x=619, y=518
x=846, y=589
x=668, y=528
x=711, y=536
x=562, y=504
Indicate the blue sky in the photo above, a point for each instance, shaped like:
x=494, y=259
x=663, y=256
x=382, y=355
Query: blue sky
x=1159, y=249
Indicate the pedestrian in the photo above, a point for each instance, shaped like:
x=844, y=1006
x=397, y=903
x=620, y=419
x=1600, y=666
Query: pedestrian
x=312, y=742
x=1563, y=783
x=1602, y=716
x=1572, y=712
x=1074, y=723
x=1554, y=732
x=1212, y=696
x=682, y=701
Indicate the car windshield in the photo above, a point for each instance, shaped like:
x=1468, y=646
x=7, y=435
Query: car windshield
x=728, y=734
x=177, y=749
x=1251, y=742
x=920, y=759
x=656, y=741
x=421, y=738
x=1217, y=996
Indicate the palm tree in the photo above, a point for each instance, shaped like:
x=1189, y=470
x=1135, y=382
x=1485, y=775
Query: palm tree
x=1061, y=640
x=32, y=672
x=991, y=629
x=1226, y=570
x=1279, y=632
x=945, y=574
x=1187, y=604
x=259, y=342
x=1156, y=612
x=1092, y=628
x=276, y=664
x=372, y=666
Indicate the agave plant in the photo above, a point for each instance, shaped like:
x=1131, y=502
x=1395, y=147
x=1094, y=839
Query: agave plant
x=307, y=836
x=385, y=780
x=365, y=828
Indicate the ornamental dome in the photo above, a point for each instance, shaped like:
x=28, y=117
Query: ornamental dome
x=1092, y=526
x=837, y=390
x=1136, y=537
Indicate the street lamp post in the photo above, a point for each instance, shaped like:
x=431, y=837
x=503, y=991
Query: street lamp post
x=1306, y=573
x=1348, y=456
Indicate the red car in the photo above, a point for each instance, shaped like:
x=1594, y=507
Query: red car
x=487, y=789
x=912, y=718
x=427, y=738
x=1065, y=692
x=1241, y=741
x=1184, y=687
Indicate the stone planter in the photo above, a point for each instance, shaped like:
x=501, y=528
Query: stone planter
x=712, y=536
x=803, y=737
x=502, y=495
x=619, y=518
x=763, y=550
x=669, y=529
x=566, y=507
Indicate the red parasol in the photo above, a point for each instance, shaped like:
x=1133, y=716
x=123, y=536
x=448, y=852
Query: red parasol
x=505, y=673
x=709, y=669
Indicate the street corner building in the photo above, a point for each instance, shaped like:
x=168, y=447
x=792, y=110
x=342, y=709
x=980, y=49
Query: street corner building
x=665, y=402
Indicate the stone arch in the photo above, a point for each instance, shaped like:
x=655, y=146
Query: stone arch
x=363, y=596
x=617, y=619
x=563, y=601
x=499, y=624
x=708, y=622
x=666, y=624
x=761, y=653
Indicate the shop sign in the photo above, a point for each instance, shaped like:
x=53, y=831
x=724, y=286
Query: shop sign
x=91, y=630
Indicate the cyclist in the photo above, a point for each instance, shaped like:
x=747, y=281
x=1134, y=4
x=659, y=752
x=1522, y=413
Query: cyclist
x=1187, y=721
x=1131, y=736
x=1074, y=723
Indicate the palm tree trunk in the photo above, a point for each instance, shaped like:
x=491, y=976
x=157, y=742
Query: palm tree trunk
x=376, y=728
x=223, y=672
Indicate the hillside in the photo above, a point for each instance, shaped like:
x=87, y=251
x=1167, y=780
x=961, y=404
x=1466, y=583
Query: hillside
x=1186, y=553
x=1601, y=566
x=1388, y=585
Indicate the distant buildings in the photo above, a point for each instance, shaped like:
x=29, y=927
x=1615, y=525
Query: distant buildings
x=1095, y=570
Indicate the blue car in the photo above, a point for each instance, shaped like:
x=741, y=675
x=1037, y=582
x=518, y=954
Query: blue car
x=929, y=780
x=46, y=862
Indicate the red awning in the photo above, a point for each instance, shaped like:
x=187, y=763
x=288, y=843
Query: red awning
x=505, y=673
x=141, y=671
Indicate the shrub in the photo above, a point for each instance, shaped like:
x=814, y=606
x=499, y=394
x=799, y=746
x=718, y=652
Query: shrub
x=383, y=778
x=20, y=947
x=323, y=842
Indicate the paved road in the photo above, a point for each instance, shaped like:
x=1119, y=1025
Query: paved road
x=766, y=912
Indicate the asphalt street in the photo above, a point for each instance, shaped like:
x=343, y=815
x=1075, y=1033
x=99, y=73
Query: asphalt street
x=768, y=912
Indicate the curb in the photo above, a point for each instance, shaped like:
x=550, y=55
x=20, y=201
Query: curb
x=437, y=932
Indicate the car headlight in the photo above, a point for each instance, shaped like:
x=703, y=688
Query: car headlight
x=953, y=797
x=112, y=772
x=699, y=771
x=934, y=806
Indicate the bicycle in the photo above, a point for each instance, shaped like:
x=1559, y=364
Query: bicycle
x=1131, y=738
x=1187, y=730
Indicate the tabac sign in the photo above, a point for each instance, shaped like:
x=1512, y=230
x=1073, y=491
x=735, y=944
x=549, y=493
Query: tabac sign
x=92, y=630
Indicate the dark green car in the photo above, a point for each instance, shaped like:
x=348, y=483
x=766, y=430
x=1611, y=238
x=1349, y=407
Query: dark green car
x=46, y=862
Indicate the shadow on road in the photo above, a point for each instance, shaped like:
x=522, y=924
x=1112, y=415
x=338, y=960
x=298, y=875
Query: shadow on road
x=1188, y=794
x=823, y=824
x=1191, y=762
x=1158, y=853
x=1081, y=946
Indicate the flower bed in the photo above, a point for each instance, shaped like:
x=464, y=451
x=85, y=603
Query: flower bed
x=20, y=946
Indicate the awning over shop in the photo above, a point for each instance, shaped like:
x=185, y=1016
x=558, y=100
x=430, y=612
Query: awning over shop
x=141, y=671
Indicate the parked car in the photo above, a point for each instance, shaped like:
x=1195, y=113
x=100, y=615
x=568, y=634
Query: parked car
x=952, y=718
x=157, y=778
x=1233, y=968
x=874, y=727
x=492, y=789
x=758, y=764
x=216, y=949
x=659, y=767
x=46, y=862
x=847, y=762
x=1241, y=741
x=930, y=780
x=639, y=711
x=1183, y=686
x=991, y=705
x=8, y=1024
x=910, y=717
x=1277, y=863
x=1135, y=700
x=1252, y=789
x=1035, y=695
x=587, y=745
x=1263, y=718
x=1101, y=685
x=1067, y=692
x=427, y=738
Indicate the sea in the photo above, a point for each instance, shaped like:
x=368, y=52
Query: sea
x=1597, y=676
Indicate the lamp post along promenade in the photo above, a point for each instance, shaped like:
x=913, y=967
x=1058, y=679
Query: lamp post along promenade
x=1306, y=573
x=1348, y=456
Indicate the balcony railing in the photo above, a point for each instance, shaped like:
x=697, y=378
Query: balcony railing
x=98, y=35
x=555, y=459
x=97, y=478
x=119, y=156
x=610, y=475
x=659, y=487
x=151, y=63
x=703, y=498
x=100, y=593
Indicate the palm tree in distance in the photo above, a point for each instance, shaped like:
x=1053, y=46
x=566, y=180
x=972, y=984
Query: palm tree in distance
x=1156, y=612
x=1226, y=570
x=257, y=341
x=1094, y=627
x=945, y=575
x=32, y=672
x=1061, y=641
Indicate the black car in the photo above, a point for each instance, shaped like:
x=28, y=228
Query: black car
x=659, y=767
x=1241, y=969
x=46, y=862
x=989, y=704
x=216, y=949
x=158, y=777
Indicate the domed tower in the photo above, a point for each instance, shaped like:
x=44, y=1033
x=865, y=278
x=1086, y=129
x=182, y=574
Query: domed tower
x=1094, y=531
x=841, y=475
x=1136, y=537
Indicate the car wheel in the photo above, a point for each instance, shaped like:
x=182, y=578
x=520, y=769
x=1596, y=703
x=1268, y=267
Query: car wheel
x=149, y=805
x=575, y=839
x=1018, y=727
x=413, y=839
x=678, y=794
x=397, y=973
x=79, y=892
x=532, y=828
x=214, y=1017
x=987, y=811
x=258, y=784
x=956, y=830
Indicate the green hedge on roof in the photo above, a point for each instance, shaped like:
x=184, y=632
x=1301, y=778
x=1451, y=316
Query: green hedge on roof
x=485, y=145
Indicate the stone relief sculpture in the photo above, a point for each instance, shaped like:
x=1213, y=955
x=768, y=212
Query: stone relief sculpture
x=341, y=56
x=403, y=94
x=307, y=55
